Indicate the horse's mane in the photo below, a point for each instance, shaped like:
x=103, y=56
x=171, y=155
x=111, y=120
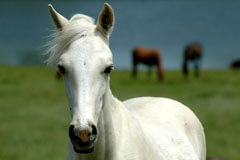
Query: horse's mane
x=79, y=25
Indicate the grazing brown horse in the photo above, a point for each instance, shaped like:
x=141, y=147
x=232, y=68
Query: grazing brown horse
x=193, y=52
x=150, y=57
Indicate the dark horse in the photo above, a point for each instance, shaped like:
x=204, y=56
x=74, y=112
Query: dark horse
x=150, y=57
x=235, y=64
x=193, y=52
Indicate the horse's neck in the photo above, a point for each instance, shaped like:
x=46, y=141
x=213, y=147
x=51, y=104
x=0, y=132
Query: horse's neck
x=113, y=119
x=115, y=123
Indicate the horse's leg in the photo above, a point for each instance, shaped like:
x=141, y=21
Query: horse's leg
x=149, y=73
x=134, y=70
x=196, y=73
x=185, y=68
x=197, y=66
x=160, y=71
x=134, y=73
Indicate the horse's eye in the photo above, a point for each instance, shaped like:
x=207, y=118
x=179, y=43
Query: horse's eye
x=61, y=69
x=108, y=69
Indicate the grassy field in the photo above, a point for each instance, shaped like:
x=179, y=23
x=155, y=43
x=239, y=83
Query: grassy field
x=34, y=117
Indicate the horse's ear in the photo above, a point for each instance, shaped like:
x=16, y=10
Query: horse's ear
x=57, y=18
x=106, y=20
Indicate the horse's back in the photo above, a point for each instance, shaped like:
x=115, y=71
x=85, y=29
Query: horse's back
x=193, y=51
x=170, y=125
x=147, y=56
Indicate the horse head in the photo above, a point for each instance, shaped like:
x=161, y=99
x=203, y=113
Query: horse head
x=81, y=51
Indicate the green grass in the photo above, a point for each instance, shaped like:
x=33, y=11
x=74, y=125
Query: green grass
x=34, y=117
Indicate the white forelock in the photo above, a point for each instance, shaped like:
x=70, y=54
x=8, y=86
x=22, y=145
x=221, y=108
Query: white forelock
x=78, y=26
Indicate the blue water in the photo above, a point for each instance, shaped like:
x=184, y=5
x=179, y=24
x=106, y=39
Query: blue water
x=166, y=25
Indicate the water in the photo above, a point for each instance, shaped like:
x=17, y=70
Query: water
x=165, y=25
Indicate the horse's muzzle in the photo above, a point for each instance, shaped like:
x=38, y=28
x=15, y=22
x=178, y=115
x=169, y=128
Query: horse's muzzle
x=83, y=140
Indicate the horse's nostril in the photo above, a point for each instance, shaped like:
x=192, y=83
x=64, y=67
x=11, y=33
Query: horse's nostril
x=94, y=130
x=71, y=131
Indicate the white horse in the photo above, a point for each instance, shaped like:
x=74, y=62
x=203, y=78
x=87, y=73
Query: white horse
x=102, y=127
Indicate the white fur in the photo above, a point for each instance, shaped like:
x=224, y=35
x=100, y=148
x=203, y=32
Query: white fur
x=144, y=128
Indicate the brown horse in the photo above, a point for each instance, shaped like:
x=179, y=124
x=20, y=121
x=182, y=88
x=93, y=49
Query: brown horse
x=193, y=52
x=150, y=57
